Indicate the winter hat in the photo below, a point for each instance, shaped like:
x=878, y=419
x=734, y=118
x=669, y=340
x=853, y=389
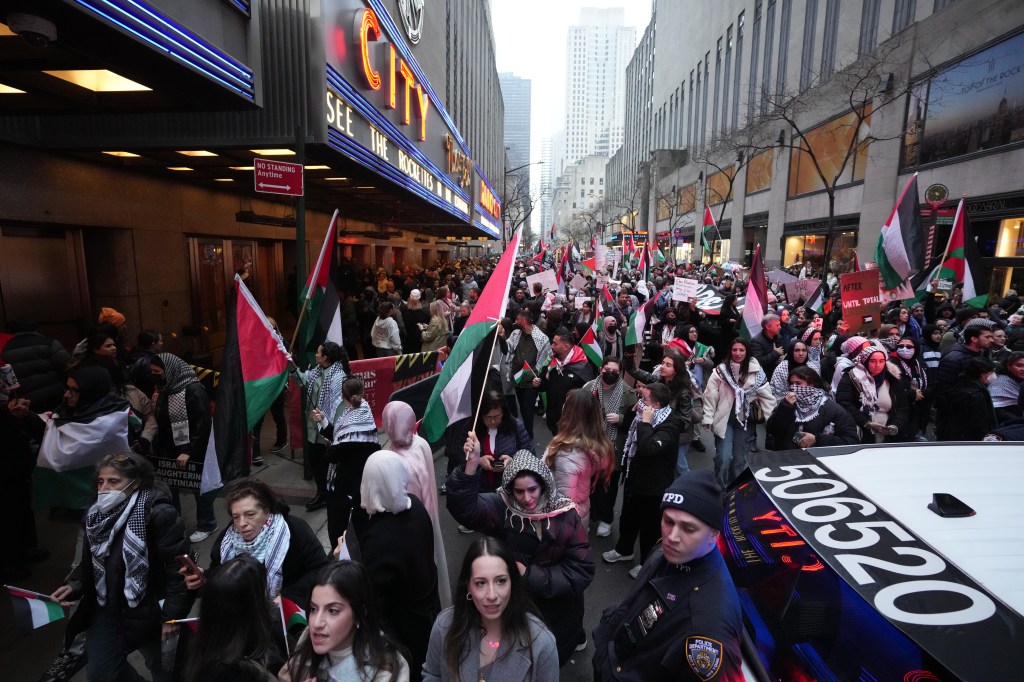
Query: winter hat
x=415, y=294
x=696, y=492
x=112, y=316
x=852, y=344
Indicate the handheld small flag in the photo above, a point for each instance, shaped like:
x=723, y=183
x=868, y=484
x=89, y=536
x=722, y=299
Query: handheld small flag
x=590, y=345
x=33, y=610
x=524, y=375
x=638, y=322
x=291, y=614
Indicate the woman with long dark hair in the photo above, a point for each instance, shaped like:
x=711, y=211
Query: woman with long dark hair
x=580, y=454
x=492, y=632
x=807, y=416
x=236, y=638
x=499, y=436
x=734, y=388
x=798, y=354
x=344, y=640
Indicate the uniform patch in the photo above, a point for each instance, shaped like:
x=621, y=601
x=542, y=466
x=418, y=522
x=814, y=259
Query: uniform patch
x=704, y=656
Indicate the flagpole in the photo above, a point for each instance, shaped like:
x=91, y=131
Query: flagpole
x=284, y=626
x=483, y=389
x=305, y=304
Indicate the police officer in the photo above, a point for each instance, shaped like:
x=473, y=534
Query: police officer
x=682, y=619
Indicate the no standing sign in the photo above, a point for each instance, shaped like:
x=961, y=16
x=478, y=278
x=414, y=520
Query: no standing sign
x=277, y=177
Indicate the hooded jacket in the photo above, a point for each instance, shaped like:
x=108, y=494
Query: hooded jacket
x=551, y=541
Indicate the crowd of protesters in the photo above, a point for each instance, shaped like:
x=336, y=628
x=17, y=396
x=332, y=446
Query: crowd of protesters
x=933, y=370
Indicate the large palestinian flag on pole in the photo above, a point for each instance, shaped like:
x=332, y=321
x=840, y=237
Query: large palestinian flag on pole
x=638, y=322
x=322, y=319
x=963, y=262
x=262, y=354
x=590, y=345
x=900, y=250
x=709, y=222
x=756, y=303
x=453, y=396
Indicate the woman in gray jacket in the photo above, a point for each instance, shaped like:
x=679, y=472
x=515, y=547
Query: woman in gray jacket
x=491, y=632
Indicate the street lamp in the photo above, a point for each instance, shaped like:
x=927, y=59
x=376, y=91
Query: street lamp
x=504, y=195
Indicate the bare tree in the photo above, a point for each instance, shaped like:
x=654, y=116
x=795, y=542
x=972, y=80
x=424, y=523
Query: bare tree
x=667, y=203
x=516, y=207
x=828, y=122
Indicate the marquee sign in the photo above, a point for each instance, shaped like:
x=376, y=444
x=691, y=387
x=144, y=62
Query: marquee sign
x=382, y=112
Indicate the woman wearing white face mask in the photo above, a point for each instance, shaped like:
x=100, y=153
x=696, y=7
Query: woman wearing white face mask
x=967, y=412
x=132, y=535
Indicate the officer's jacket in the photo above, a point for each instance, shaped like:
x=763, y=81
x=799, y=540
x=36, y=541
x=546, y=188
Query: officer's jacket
x=678, y=623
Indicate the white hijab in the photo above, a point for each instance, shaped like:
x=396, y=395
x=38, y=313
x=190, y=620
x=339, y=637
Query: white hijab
x=385, y=485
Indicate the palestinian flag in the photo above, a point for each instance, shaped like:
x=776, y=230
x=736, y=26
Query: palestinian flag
x=589, y=266
x=900, y=248
x=816, y=301
x=963, y=263
x=590, y=344
x=33, y=610
x=262, y=353
x=291, y=614
x=593, y=243
x=709, y=222
x=465, y=370
x=608, y=295
x=628, y=249
x=524, y=375
x=638, y=322
x=756, y=302
x=642, y=265
x=320, y=299
x=657, y=257
x=575, y=251
x=562, y=270
x=65, y=473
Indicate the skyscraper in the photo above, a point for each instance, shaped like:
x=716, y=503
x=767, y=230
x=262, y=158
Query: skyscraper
x=516, y=93
x=597, y=52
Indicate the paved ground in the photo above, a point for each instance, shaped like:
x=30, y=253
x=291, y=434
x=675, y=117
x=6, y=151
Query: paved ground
x=27, y=657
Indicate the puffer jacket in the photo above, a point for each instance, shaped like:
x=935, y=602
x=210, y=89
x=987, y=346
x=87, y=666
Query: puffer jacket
x=719, y=398
x=573, y=470
x=165, y=540
x=552, y=543
x=39, y=363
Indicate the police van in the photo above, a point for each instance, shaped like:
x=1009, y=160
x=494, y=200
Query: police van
x=887, y=563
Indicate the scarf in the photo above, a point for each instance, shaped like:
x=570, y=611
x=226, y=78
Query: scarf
x=1005, y=391
x=178, y=376
x=101, y=529
x=323, y=390
x=741, y=403
x=611, y=401
x=575, y=355
x=808, y=402
x=867, y=387
x=629, y=452
x=551, y=504
x=269, y=547
x=355, y=425
x=385, y=484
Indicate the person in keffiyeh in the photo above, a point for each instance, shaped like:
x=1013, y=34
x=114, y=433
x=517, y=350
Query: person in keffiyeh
x=322, y=385
x=127, y=578
x=807, y=416
x=184, y=425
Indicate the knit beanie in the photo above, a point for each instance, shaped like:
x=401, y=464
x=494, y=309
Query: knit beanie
x=852, y=344
x=696, y=492
x=112, y=316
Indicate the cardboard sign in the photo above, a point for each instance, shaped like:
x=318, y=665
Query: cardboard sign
x=546, y=278
x=903, y=292
x=861, y=300
x=578, y=282
x=602, y=281
x=945, y=285
x=601, y=257
x=580, y=300
x=684, y=289
x=801, y=289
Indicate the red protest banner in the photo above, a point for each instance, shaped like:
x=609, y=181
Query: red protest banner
x=383, y=376
x=861, y=300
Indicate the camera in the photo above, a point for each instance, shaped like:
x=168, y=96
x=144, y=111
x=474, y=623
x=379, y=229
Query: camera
x=35, y=30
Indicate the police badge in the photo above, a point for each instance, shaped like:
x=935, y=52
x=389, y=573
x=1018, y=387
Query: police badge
x=704, y=656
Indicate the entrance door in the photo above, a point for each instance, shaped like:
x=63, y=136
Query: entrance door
x=41, y=279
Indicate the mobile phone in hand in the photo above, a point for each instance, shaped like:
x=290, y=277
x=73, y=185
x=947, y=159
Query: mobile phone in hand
x=190, y=567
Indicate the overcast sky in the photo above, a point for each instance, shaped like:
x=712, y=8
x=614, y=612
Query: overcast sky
x=530, y=37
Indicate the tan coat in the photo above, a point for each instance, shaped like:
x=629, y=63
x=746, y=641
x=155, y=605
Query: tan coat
x=719, y=398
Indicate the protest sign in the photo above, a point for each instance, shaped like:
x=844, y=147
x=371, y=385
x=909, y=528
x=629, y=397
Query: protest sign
x=546, y=278
x=801, y=289
x=578, y=282
x=602, y=281
x=861, y=300
x=600, y=257
x=580, y=300
x=684, y=289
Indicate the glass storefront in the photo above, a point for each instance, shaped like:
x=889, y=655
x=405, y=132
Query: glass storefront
x=754, y=233
x=798, y=249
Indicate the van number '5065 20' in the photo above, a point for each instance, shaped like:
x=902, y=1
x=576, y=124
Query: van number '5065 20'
x=826, y=501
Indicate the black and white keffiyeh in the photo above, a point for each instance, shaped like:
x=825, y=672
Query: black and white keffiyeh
x=178, y=376
x=356, y=425
x=808, y=402
x=629, y=451
x=269, y=547
x=101, y=530
x=741, y=403
x=323, y=388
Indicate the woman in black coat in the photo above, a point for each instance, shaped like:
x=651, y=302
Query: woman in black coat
x=967, y=412
x=807, y=409
x=290, y=551
x=873, y=394
x=403, y=573
x=542, y=529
